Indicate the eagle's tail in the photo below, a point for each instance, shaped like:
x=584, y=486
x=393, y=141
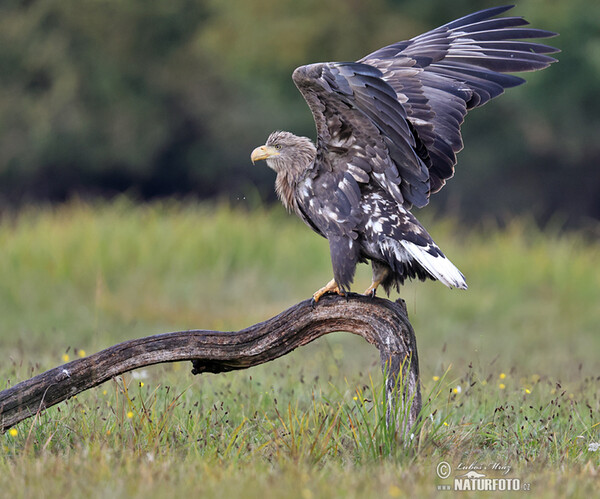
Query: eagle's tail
x=436, y=264
x=395, y=238
x=420, y=258
x=409, y=250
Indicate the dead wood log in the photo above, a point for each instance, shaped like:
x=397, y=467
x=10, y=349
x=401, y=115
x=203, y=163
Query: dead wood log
x=381, y=322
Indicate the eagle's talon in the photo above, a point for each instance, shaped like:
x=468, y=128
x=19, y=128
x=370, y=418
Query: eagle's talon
x=330, y=287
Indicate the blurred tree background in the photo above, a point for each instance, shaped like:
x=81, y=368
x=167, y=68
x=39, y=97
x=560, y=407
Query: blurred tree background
x=168, y=97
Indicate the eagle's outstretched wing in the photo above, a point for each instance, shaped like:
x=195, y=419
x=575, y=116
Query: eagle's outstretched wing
x=393, y=118
x=440, y=75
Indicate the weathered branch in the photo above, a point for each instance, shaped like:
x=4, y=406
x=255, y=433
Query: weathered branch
x=381, y=322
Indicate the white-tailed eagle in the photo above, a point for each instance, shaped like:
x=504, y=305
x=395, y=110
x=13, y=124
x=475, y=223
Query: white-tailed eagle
x=388, y=130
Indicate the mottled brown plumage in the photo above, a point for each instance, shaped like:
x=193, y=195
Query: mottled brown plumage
x=388, y=130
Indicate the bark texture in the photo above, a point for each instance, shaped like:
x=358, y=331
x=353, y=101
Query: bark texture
x=381, y=322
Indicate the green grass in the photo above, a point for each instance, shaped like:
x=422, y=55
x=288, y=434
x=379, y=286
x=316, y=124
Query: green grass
x=509, y=368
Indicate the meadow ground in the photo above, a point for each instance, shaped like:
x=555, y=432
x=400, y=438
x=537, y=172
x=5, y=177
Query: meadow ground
x=511, y=367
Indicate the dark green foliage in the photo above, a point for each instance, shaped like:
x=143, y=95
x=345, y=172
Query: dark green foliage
x=159, y=98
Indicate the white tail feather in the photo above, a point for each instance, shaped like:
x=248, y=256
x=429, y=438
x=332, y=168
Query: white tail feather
x=438, y=266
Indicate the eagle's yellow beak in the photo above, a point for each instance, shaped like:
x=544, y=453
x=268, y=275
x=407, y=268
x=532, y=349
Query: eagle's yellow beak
x=263, y=152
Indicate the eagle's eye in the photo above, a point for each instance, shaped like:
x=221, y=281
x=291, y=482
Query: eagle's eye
x=278, y=147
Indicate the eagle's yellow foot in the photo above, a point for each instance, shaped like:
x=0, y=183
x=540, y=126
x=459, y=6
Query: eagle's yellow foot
x=372, y=289
x=380, y=272
x=330, y=287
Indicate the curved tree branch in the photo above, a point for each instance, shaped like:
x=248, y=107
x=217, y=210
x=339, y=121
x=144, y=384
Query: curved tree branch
x=381, y=322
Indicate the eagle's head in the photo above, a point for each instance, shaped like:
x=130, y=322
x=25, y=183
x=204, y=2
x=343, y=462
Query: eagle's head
x=286, y=152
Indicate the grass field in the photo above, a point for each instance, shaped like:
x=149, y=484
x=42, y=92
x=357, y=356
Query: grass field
x=510, y=367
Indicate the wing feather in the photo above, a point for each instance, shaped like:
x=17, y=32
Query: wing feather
x=457, y=67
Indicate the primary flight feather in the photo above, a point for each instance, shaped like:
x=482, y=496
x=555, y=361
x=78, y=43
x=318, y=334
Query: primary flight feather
x=388, y=130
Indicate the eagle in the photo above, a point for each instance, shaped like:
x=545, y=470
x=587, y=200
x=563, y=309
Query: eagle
x=388, y=131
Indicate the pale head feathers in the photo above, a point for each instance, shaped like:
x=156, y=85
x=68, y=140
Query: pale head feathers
x=296, y=155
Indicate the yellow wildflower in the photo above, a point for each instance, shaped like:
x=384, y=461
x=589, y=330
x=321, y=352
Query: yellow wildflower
x=129, y=415
x=394, y=491
x=65, y=357
x=13, y=432
x=502, y=386
x=502, y=376
x=81, y=353
x=436, y=378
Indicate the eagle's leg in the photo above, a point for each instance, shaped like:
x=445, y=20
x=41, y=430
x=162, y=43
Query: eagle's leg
x=330, y=287
x=380, y=272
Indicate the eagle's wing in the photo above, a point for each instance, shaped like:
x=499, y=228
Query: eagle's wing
x=363, y=135
x=440, y=75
